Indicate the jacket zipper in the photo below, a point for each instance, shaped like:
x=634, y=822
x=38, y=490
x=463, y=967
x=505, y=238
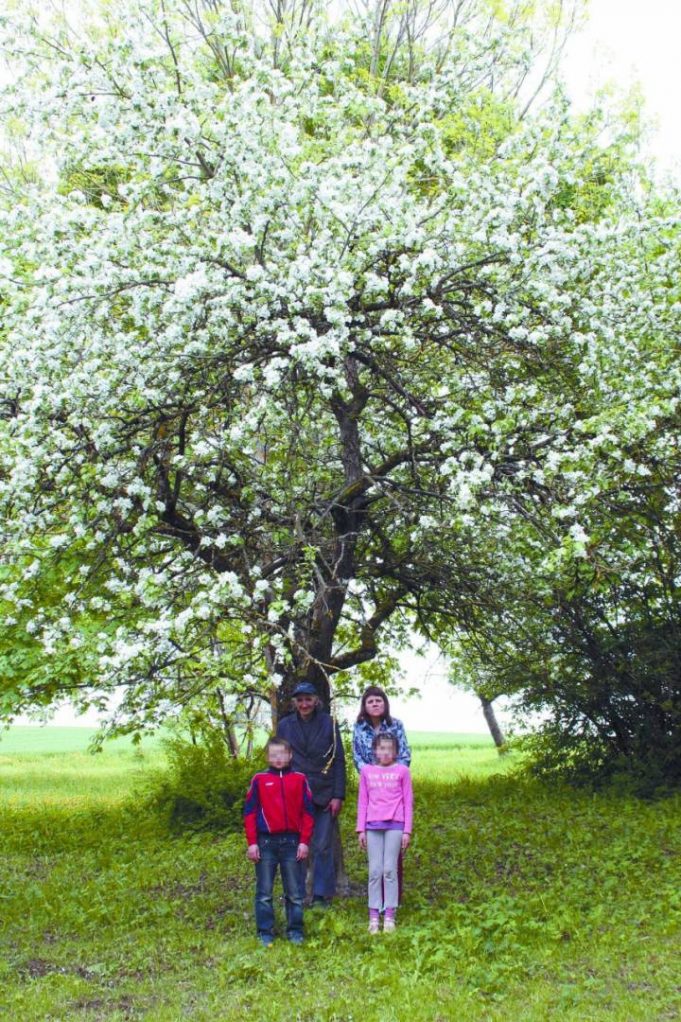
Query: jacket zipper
x=283, y=799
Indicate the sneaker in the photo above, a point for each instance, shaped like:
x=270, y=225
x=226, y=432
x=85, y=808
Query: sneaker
x=373, y=925
x=389, y=924
x=266, y=939
x=296, y=938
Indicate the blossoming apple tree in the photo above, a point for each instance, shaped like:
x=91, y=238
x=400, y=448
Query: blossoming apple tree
x=300, y=325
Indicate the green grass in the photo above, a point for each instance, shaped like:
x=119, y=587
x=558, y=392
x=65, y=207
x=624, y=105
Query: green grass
x=449, y=739
x=52, y=765
x=35, y=739
x=522, y=903
x=440, y=756
x=34, y=779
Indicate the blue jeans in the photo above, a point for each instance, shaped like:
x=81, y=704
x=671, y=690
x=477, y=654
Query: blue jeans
x=323, y=866
x=278, y=850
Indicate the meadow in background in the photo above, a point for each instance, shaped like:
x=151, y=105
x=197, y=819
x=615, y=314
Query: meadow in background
x=522, y=901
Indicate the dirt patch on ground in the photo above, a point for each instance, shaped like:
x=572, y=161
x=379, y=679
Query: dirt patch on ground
x=175, y=889
x=35, y=968
x=101, y=1008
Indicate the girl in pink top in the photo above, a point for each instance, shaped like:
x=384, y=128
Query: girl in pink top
x=384, y=818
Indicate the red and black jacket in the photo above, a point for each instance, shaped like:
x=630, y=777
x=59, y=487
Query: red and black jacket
x=279, y=802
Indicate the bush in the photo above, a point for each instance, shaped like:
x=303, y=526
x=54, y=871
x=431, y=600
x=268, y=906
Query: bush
x=569, y=750
x=204, y=786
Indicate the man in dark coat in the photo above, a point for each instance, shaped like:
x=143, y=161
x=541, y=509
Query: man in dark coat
x=318, y=753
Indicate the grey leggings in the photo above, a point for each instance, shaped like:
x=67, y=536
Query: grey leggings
x=383, y=847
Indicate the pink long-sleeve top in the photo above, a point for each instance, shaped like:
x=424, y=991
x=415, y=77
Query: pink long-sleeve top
x=385, y=794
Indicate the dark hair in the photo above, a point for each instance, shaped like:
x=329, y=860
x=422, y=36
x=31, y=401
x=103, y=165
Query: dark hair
x=278, y=741
x=374, y=690
x=377, y=739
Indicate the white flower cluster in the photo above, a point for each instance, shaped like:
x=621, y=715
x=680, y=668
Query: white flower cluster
x=239, y=299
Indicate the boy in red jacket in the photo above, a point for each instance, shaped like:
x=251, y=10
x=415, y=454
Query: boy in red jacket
x=278, y=819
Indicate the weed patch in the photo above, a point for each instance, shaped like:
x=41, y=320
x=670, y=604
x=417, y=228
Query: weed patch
x=521, y=901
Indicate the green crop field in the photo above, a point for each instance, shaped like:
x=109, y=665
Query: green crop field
x=521, y=902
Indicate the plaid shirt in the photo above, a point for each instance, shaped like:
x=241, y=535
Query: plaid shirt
x=363, y=737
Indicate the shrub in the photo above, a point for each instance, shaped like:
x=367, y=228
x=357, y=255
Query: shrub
x=204, y=786
x=570, y=750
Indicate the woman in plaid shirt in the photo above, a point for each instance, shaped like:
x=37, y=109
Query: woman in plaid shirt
x=375, y=719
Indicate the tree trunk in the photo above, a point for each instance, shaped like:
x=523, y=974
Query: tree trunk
x=227, y=725
x=492, y=724
x=342, y=881
x=281, y=701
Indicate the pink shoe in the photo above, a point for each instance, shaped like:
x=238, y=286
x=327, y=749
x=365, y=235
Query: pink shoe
x=389, y=924
x=373, y=924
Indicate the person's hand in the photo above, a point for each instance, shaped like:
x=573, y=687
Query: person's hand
x=302, y=852
x=253, y=853
x=406, y=838
x=335, y=806
x=362, y=840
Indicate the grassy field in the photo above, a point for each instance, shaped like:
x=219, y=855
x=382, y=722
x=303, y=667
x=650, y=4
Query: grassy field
x=52, y=765
x=521, y=902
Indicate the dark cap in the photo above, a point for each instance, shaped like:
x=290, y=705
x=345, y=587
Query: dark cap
x=304, y=688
